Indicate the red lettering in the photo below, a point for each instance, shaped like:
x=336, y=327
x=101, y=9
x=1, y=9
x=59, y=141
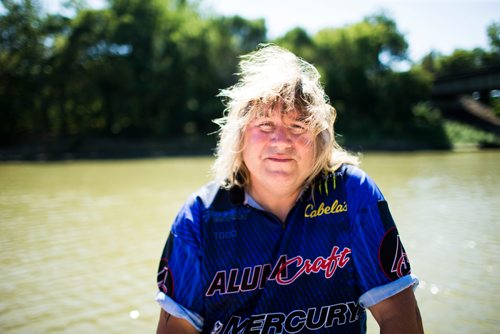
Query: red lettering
x=328, y=265
x=257, y=276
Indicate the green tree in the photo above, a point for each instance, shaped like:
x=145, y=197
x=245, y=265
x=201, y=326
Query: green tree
x=77, y=65
x=357, y=62
x=227, y=38
x=153, y=68
x=21, y=64
x=299, y=42
x=493, y=31
x=462, y=60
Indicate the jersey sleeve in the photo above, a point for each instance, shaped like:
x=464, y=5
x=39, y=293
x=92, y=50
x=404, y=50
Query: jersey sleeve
x=179, y=273
x=381, y=262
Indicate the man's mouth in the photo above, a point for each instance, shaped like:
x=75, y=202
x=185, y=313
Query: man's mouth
x=279, y=159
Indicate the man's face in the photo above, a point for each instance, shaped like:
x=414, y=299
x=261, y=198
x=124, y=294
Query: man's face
x=278, y=151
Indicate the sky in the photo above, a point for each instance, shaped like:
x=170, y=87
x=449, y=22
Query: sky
x=428, y=25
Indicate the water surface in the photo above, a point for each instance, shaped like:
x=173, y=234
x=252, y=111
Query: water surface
x=80, y=240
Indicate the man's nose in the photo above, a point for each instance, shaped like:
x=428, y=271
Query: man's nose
x=281, y=136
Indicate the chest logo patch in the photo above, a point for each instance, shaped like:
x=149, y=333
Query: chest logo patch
x=325, y=209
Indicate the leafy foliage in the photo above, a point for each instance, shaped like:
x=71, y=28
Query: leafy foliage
x=153, y=68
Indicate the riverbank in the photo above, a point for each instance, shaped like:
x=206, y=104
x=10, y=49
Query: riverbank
x=105, y=148
x=452, y=135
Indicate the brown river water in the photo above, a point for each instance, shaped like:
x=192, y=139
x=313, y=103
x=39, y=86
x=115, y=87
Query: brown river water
x=80, y=241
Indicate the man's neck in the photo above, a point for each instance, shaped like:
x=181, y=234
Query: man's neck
x=276, y=203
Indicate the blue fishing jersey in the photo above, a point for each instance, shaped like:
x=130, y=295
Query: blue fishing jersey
x=231, y=267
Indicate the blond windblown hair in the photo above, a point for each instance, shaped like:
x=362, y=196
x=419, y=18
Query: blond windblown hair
x=269, y=76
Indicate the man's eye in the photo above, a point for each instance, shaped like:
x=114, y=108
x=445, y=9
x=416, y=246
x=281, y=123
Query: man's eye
x=298, y=128
x=266, y=126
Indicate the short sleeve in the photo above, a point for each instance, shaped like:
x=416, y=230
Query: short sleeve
x=179, y=273
x=380, y=259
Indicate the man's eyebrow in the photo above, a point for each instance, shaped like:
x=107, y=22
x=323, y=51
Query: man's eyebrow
x=298, y=118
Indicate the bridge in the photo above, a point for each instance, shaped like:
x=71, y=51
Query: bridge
x=465, y=96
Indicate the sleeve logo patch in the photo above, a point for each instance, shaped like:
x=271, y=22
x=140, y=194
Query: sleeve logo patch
x=165, y=280
x=392, y=256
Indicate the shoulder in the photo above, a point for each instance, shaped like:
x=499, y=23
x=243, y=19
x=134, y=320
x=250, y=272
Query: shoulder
x=359, y=182
x=359, y=188
x=206, y=195
x=210, y=197
x=349, y=177
x=215, y=197
x=210, y=202
x=187, y=223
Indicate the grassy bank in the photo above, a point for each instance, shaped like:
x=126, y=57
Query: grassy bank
x=445, y=135
x=463, y=136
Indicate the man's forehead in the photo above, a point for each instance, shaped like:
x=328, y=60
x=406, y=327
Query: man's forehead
x=282, y=111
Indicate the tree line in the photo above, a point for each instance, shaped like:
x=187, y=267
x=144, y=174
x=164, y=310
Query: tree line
x=153, y=68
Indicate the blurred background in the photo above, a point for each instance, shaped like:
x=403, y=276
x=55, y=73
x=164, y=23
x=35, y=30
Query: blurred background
x=106, y=112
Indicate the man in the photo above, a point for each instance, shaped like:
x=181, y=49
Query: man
x=291, y=237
